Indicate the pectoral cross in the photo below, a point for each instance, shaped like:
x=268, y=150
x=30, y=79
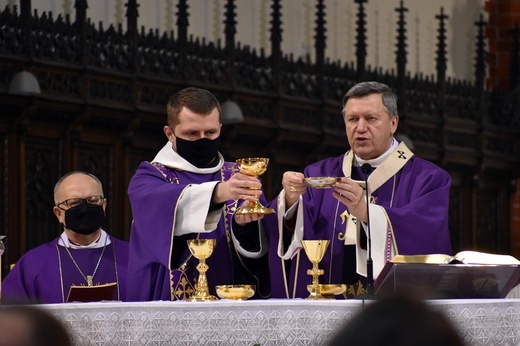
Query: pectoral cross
x=89, y=280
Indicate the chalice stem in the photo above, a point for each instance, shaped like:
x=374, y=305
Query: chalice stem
x=316, y=272
x=315, y=277
x=202, y=289
x=202, y=267
x=202, y=284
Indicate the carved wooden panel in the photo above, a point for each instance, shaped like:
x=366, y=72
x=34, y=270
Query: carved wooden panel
x=491, y=220
x=42, y=168
x=99, y=160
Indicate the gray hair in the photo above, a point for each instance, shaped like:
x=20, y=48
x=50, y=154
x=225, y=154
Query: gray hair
x=58, y=184
x=368, y=88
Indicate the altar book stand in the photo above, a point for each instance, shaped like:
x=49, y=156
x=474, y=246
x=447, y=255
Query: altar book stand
x=447, y=281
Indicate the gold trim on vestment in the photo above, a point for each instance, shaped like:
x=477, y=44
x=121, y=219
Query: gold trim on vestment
x=388, y=169
x=182, y=288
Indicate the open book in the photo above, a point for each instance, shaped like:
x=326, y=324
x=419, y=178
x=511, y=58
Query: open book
x=466, y=257
x=468, y=274
x=94, y=293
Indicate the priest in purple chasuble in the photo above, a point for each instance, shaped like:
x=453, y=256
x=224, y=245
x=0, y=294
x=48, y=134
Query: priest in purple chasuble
x=409, y=200
x=188, y=191
x=83, y=255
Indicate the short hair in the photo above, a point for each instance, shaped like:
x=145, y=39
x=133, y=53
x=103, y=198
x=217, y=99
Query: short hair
x=398, y=320
x=44, y=328
x=198, y=100
x=369, y=88
x=58, y=184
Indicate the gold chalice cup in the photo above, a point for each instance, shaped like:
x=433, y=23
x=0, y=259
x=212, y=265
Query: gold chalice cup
x=202, y=249
x=315, y=249
x=254, y=167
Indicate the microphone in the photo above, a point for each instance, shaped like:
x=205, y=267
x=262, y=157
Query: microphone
x=366, y=168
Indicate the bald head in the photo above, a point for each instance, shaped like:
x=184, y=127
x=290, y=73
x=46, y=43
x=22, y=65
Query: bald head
x=77, y=184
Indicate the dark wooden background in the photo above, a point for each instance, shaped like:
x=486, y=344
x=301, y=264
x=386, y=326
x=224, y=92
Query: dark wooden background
x=102, y=108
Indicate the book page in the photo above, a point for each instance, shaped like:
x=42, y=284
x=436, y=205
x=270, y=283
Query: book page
x=432, y=258
x=475, y=257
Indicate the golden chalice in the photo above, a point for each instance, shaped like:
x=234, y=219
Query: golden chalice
x=202, y=249
x=315, y=249
x=254, y=167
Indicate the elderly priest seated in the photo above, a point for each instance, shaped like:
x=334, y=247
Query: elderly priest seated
x=84, y=261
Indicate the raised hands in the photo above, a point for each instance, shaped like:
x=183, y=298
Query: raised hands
x=352, y=195
x=239, y=186
x=243, y=219
x=294, y=185
x=345, y=190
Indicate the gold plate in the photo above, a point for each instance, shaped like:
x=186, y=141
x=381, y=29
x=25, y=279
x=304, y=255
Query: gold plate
x=330, y=289
x=236, y=292
x=321, y=182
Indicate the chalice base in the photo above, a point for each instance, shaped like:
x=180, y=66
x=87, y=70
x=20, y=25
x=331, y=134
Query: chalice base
x=326, y=291
x=255, y=208
x=202, y=297
x=315, y=295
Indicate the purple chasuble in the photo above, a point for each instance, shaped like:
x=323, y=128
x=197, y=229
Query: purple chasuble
x=416, y=201
x=154, y=192
x=46, y=273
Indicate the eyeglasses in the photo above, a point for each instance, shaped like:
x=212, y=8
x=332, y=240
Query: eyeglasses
x=72, y=203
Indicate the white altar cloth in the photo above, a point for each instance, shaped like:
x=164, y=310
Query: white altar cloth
x=263, y=322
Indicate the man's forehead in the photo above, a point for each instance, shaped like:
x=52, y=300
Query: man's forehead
x=368, y=97
x=195, y=121
x=77, y=182
x=372, y=101
x=78, y=177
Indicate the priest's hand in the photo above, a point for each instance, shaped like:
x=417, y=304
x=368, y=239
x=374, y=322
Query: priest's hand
x=352, y=195
x=294, y=186
x=243, y=219
x=239, y=186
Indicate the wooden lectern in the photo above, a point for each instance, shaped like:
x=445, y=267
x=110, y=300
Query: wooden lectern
x=447, y=281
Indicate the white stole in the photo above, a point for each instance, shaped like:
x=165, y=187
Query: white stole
x=380, y=224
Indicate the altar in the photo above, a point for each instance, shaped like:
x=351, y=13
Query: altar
x=263, y=322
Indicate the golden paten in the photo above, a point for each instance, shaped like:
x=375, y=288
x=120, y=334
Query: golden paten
x=236, y=292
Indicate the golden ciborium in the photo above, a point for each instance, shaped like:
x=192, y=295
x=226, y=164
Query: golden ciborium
x=254, y=167
x=202, y=249
x=315, y=249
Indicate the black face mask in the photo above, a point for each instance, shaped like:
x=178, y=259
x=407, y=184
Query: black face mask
x=85, y=219
x=201, y=153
